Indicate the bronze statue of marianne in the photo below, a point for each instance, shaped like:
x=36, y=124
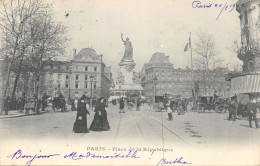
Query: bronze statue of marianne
x=128, y=55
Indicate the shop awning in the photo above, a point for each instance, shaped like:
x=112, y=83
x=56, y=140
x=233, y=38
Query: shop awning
x=245, y=84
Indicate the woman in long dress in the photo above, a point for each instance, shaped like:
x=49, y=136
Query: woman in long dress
x=80, y=125
x=100, y=122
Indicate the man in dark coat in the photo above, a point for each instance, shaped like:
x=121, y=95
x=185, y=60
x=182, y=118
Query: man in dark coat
x=138, y=104
x=251, y=106
x=121, y=105
x=232, y=108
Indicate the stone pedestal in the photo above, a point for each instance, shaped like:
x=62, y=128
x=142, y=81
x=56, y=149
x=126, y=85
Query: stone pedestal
x=126, y=68
x=128, y=76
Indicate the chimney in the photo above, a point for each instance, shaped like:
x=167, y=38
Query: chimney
x=101, y=57
x=74, y=53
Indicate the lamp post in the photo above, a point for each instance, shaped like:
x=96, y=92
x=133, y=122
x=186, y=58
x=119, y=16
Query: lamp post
x=91, y=80
x=155, y=79
x=70, y=72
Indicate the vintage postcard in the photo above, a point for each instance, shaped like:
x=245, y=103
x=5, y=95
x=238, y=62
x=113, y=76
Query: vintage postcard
x=129, y=82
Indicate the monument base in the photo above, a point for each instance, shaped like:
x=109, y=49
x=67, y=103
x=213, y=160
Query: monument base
x=128, y=65
x=128, y=76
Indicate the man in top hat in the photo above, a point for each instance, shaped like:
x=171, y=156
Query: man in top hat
x=232, y=108
x=251, y=106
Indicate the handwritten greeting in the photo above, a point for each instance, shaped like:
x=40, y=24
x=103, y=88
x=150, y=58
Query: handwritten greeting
x=222, y=6
x=74, y=155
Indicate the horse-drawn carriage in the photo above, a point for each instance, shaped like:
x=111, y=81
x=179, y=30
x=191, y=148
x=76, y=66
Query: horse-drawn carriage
x=32, y=105
x=158, y=105
x=205, y=103
x=59, y=103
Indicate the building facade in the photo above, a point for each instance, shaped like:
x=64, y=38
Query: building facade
x=248, y=81
x=84, y=74
x=160, y=77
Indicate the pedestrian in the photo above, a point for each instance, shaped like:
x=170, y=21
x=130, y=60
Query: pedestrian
x=171, y=104
x=165, y=101
x=121, y=105
x=100, y=122
x=251, y=106
x=138, y=104
x=80, y=125
x=44, y=101
x=232, y=108
x=180, y=109
x=169, y=110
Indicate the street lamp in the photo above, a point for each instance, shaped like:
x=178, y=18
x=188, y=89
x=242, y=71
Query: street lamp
x=91, y=80
x=155, y=79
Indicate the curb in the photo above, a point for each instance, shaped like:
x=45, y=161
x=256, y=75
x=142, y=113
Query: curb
x=17, y=116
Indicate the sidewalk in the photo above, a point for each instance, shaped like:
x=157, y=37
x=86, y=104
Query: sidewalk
x=17, y=113
x=12, y=114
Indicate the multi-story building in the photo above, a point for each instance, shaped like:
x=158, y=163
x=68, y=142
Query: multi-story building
x=75, y=78
x=248, y=81
x=160, y=77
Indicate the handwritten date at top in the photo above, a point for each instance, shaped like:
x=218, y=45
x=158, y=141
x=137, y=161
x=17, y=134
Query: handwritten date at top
x=221, y=6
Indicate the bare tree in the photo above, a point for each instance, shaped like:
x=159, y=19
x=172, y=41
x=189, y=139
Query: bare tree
x=206, y=58
x=48, y=43
x=13, y=17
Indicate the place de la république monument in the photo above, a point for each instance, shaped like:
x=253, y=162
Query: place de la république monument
x=124, y=82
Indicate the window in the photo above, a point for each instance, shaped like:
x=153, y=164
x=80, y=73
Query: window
x=67, y=68
x=67, y=77
x=77, y=77
x=86, y=84
x=86, y=77
x=76, y=85
x=67, y=85
x=95, y=68
x=86, y=68
x=95, y=78
x=95, y=86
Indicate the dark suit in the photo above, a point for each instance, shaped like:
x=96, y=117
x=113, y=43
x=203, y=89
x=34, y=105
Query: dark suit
x=252, y=114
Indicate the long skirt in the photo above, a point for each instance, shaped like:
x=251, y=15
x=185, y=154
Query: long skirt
x=100, y=122
x=80, y=125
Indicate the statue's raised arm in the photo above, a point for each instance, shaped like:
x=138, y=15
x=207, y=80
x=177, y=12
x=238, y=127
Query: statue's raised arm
x=122, y=37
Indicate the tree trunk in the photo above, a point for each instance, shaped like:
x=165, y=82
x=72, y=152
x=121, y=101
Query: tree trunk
x=6, y=87
x=16, y=79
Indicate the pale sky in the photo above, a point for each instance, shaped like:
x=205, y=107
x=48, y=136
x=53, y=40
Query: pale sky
x=151, y=25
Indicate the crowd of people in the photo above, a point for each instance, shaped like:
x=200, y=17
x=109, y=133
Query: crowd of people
x=100, y=122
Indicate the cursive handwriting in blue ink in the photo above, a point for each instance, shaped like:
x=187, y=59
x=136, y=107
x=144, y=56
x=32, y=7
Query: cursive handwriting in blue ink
x=75, y=156
x=224, y=7
x=197, y=4
x=164, y=161
x=19, y=155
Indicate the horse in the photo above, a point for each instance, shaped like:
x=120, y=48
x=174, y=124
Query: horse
x=59, y=103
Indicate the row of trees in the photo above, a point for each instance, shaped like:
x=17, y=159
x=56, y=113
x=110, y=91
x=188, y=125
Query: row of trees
x=30, y=41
